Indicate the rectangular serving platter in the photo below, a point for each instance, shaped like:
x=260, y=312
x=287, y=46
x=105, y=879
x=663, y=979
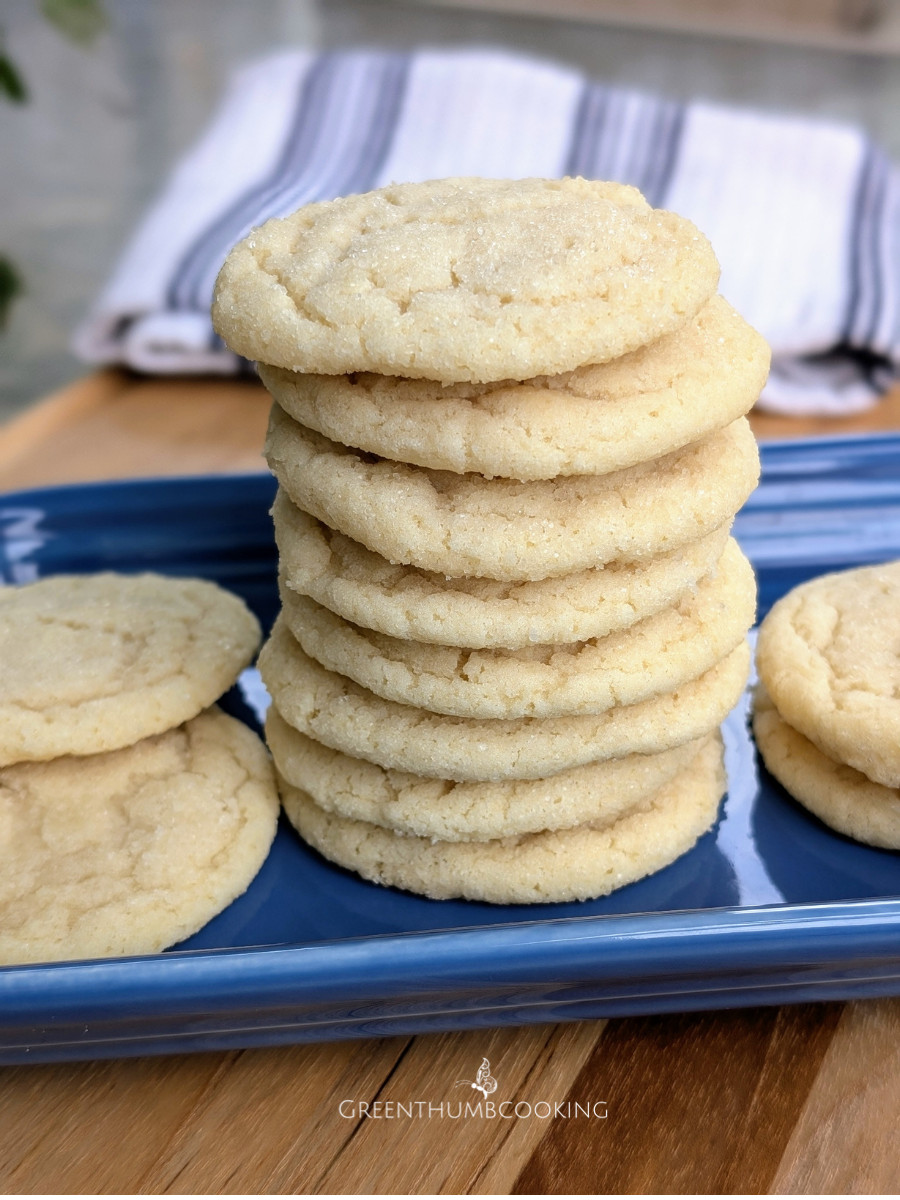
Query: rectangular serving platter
x=770, y=907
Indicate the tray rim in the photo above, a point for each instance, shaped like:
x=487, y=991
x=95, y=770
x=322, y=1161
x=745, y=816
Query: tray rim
x=522, y=973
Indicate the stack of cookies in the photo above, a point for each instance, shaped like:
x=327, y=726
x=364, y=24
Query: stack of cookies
x=827, y=709
x=132, y=810
x=510, y=440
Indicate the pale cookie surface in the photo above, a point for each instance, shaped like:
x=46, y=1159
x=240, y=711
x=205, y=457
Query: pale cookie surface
x=508, y=530
x=656, y=655
x=587, y=422
x=843, y=799
x=405, y=602
x=537, y=868
x=599, y=793
x=829, y=656
x=454, y=279
x=131, y=851
x=341, y=714
x=95, y=662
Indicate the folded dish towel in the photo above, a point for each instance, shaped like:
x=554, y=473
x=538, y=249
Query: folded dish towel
x=804, y=214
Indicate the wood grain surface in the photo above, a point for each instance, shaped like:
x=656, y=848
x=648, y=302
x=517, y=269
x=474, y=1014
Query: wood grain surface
x=799, y=1099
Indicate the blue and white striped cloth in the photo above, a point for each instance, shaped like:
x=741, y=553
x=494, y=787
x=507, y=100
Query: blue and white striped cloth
x=803, y=214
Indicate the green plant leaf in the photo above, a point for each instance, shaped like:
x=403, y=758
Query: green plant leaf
x=10, y=287
x=12, y=85
x=80, y=20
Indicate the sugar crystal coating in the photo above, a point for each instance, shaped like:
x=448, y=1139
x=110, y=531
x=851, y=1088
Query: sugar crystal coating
x=455, y=279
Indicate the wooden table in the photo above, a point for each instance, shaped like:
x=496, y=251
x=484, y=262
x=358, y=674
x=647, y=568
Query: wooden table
x=796, y=1099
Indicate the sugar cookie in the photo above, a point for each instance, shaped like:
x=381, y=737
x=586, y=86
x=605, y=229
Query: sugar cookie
x=842, y=798
x=656, y=655
x=507, y=530
x=599, y=793
x=95, y=662
x=829, y=656
x=537, y=868
x=131, y=851
x=334, y=710
x=453, y=280
x=591, y=421
x=424, y=606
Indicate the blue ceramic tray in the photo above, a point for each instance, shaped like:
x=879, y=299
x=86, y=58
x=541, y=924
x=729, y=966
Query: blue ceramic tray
x=769, y=907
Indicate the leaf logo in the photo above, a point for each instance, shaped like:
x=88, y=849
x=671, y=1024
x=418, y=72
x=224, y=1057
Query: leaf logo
x=483, y=1082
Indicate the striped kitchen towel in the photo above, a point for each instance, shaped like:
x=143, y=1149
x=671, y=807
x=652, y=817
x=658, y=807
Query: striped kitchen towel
x=804, y=214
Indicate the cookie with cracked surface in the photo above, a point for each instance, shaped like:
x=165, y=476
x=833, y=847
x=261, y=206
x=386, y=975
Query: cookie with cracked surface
x=463, y=280
x=841, y=797
x=599, y=793
x=536, y=868
x=596, y=419
x=131, y=851
x=424, y=606
x=504, y=529
x=653, y=656
x=95, y=662
x=339, y=713
x=828, y=654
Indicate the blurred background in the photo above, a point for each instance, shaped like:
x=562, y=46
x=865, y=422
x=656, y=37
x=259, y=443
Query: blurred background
x=113, y=102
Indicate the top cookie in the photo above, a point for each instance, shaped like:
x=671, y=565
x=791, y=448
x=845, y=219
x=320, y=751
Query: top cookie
x=463, y=280
x=95, y=662
x=597, y=419
x=829, y=657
